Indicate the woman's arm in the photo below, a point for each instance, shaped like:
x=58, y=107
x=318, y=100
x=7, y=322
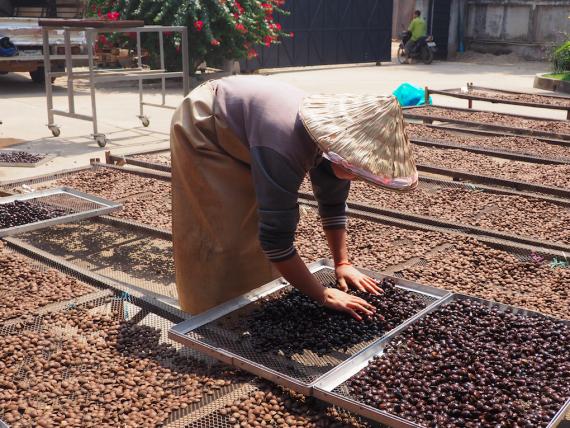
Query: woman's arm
x=294, y=270
x=345, y=272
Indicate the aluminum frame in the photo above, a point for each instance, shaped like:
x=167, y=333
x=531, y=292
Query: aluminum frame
x=105, y=208
x=179, y=332
x=323, y=389
x=95, y=76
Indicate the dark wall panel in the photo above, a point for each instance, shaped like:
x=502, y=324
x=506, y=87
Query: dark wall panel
x=330, y=32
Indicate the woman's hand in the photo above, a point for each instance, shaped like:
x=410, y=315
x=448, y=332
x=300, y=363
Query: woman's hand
x=347, y=275
x=341, y=301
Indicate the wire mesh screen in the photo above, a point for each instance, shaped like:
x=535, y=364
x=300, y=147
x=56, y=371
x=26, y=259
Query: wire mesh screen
x=90, y=350
x=232, y=333
x=129, y=255
x=28, y=286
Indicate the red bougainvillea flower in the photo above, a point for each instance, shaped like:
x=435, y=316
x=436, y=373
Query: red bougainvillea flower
x=241, y=28
x=102, y=39
x=240, y=8
x=198, y=25
x=291, y=34
x=251, y=53
x=215, y=42
x=278, y=26
x=267, y=40
x=268, y=8
x=113, y=16
x=99, y=14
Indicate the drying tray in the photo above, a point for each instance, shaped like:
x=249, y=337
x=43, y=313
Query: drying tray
x=333, y=388
x=219, y=333
x=46, y=158
x=79, y=205
x=417, y=113
x=462, y=93
x=125, y=307
x=134, y=159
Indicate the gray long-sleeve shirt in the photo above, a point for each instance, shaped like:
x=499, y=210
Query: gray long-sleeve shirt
x=264, y=114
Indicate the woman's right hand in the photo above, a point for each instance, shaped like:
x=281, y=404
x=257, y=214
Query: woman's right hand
x=344, y=302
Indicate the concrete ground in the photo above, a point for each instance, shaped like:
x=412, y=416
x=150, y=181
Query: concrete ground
x=24, y=116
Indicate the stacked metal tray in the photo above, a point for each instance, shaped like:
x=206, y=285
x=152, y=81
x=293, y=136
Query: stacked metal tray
x=222, y=333
x=333, y=388
x=45, y=157
x=76, y=206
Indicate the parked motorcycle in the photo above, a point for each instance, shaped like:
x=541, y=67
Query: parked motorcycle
x=424, y=49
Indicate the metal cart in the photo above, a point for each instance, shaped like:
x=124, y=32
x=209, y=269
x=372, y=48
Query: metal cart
x=91, y=28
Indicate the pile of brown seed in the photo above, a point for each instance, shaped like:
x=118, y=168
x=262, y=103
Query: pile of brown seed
x=273, y=406
x=372, y=245
x=450, y=262
x=468, y=365
x=112, y=184
x=472, y=268
x=20, y=157
x=293, y=323
x=488, y=117
x=525, y=98
x=517, y=144
x=25, y=287
x=91, y=369
x=548, y=175
x=145, y=200
x=19, y=213
x=517, y=215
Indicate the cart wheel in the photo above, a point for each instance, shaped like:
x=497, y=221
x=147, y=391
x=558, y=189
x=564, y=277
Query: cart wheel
x=101, y=140
x=55, y=131
x=145, y=121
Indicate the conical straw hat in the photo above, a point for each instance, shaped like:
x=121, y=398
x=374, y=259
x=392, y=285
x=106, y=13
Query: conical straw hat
x=365, y=134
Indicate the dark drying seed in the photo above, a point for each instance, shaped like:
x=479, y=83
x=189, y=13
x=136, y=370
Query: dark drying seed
x=18, y=213
x=468, y=365
x=20, y=157
x=294, y=323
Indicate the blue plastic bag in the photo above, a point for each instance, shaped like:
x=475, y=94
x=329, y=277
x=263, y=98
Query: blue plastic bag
x=410, y=95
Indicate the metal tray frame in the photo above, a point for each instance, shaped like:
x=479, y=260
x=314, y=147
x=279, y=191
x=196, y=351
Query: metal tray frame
x=324, y=387
x=179, y=333
x=105, y=207
x=129, y=159
x=456, y=93
x=46, y=158
x=411, y=113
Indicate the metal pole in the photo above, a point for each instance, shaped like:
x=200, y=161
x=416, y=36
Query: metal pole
x=139, y=54
x=90, y=45
x=69, y=69
x=161, y=42
x=47, y=71
x=185, y=62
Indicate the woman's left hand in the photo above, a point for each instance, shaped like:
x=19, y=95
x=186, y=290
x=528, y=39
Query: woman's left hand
x=348, y=275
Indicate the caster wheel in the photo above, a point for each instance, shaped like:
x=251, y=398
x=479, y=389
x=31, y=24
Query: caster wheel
x=55, y=131
x=145, y=121
x=101, y=140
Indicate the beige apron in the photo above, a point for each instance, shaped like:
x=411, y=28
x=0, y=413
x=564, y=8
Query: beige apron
x=217, y=253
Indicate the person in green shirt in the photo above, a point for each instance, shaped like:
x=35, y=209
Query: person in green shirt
x=418, y=28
